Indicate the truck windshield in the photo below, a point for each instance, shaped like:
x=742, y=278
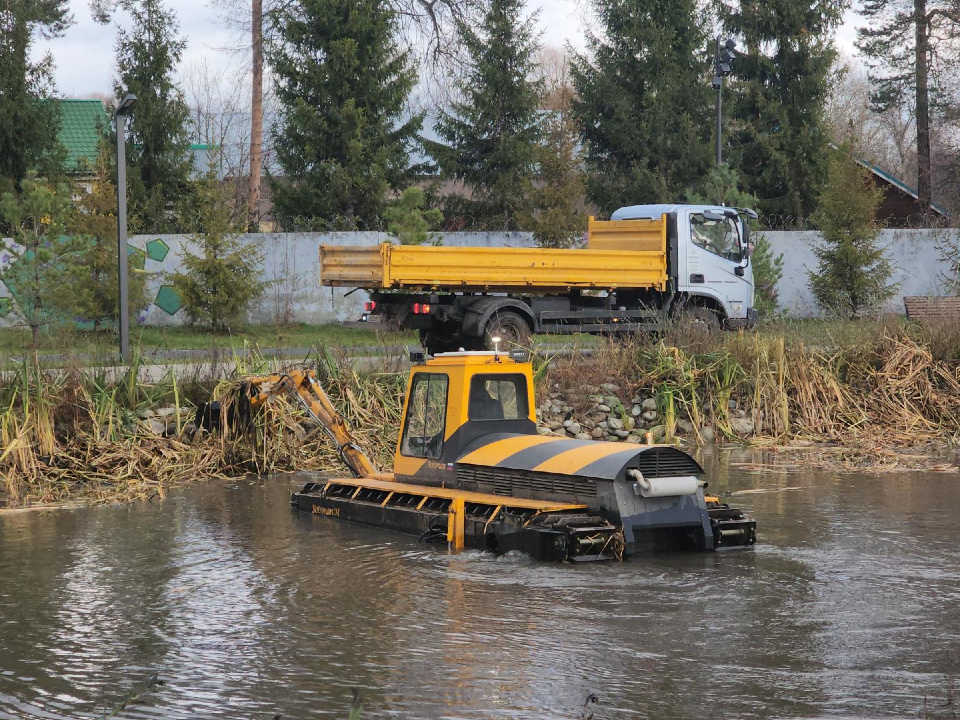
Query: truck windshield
x=720, y=237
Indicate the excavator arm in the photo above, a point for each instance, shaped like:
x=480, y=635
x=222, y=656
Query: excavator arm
x=303, y=387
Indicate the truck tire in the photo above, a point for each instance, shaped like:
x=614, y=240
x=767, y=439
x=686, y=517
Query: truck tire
x=510, y=327
x=699, y=319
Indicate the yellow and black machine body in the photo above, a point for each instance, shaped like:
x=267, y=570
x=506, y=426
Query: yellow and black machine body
x=471, y=469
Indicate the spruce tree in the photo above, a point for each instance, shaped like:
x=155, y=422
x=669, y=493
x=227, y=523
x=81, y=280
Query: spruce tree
x=94, y=283
x=220, y=282
x=900, y=41
x=644, y=102
x=559, y=197
x=42, y=256
x=28, y=120
x=777, y=135
x=853, y=275
x=490, y=135
x=159, y=164
x=409, y=220
x=344, y=136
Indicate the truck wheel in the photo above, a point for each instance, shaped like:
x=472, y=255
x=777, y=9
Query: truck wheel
x=434, y=342
x=513, y=331
x=699, y=318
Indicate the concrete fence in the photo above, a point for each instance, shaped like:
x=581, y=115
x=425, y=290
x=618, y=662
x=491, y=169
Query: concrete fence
x=291, y=263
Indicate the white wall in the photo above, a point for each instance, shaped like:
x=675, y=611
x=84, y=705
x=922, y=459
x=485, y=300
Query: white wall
x=291, y=262
x=914, y=255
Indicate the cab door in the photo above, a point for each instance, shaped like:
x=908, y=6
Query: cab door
x=716, y=261
x=422, y=435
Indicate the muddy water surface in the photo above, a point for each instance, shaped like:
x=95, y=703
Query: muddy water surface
x=848, y=607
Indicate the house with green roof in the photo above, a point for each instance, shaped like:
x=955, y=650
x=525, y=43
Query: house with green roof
x=82, y=123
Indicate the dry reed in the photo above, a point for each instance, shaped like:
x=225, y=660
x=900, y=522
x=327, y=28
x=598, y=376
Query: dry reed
x=889, y=392
x=78, y=435
x=81, y=434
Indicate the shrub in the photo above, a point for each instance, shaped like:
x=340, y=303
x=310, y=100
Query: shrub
x=408, y=220
x=221, y=282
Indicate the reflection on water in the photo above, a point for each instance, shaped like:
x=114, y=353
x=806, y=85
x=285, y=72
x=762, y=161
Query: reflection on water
x=244, y=608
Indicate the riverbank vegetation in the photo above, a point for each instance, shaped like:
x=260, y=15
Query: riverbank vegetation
x=887, y=385
x=85, y=434
x=82, y=434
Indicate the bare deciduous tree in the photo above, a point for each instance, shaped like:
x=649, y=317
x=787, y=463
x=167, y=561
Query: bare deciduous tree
x=885, y=138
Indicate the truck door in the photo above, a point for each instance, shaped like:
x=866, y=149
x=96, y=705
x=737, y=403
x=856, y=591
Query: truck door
x=715, y=261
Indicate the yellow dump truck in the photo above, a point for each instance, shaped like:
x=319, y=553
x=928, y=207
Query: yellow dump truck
x=646, y=263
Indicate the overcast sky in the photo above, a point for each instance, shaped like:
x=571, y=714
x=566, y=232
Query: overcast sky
x=84, y=55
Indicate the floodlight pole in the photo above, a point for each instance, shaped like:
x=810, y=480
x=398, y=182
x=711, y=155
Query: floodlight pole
x=721, y=67
x=719, y=83
x=121, y=117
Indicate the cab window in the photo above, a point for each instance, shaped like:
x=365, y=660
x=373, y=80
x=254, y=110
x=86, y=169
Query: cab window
x=498, y=397
x=426, y=416
x=719, y=237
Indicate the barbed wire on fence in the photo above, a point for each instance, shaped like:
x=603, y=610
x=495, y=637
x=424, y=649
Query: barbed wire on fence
x=464, y=222
x=914, y=221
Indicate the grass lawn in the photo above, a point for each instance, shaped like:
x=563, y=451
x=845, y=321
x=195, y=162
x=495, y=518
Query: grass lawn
x=102, y=347
x=828, y=333
x=14, y=342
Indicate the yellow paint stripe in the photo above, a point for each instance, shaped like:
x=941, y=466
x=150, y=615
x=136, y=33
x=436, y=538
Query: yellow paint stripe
x=570, y=461
x=500, y=450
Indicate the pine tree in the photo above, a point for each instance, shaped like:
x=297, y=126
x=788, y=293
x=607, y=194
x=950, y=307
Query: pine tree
x=644, y=102
x=899, y=41
x=344, y=135
x=409, y=220
x=853, y=275
x=28, y=120
x=220, y=283
x=94, y=283
x=777, y=134
x=42, y=256
x=559, y=198
x=490, y=136
x=158, y=141
x=723, y=187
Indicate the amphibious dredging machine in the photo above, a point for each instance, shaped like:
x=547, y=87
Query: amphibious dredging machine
x=470, y=469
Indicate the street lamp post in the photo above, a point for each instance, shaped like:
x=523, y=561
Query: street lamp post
x=721, y=68
x=123, y=109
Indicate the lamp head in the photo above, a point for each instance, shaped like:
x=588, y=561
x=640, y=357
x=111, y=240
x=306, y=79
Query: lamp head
x=126, y=105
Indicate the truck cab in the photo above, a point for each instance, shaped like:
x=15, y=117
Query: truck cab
x=711, y=256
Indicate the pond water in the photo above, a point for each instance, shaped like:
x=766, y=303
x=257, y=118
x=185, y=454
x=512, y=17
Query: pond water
x=849, y=606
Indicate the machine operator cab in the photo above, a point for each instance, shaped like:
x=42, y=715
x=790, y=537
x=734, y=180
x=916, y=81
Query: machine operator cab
x=455, y=398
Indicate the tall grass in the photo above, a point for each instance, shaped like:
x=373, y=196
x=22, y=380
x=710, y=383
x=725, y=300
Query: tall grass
x=85, y=434
x=895, y=386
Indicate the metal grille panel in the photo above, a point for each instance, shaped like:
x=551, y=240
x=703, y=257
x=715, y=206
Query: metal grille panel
x=518, y=482
x=667, y=462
